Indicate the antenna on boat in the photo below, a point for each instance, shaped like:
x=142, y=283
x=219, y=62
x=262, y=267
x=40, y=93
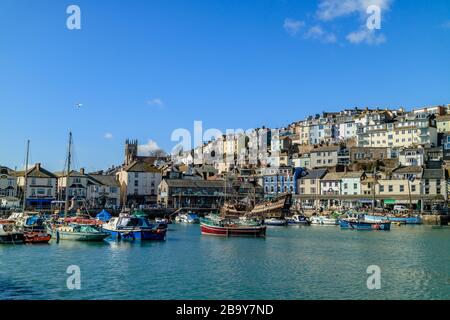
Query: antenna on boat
x=24, y=205
x=66, y=205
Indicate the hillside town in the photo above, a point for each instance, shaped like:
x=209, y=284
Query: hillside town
x=348, y=159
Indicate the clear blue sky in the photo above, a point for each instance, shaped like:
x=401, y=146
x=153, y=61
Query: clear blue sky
x=144, y=68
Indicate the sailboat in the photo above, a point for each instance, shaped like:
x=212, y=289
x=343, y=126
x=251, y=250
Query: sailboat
x=74, y=230
x=30, y=224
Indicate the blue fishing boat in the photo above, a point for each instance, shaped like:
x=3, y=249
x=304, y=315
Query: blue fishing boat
x=134, y=228
x=403, y=220
x=361, y=224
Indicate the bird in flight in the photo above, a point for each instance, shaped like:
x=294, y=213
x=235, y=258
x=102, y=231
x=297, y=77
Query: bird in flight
x=79, y=105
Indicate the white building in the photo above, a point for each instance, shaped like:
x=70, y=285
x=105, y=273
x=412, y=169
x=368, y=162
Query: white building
x=8, y=182
x=139, y=183
x=41, y=187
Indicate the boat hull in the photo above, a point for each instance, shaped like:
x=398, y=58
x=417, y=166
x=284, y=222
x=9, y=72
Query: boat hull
x=403, y=220
x=250, y=231
x=80, y=236
x=324, y=222
x=143, y=235
x=276, y=223
x=365, y=225
x=36, y=238
x=13, y=238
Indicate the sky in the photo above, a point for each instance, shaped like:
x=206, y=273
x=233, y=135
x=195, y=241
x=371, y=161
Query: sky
x=141, y=69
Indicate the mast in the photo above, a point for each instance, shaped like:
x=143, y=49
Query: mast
x=66, y=207
x=374, y=189
x=24, y=205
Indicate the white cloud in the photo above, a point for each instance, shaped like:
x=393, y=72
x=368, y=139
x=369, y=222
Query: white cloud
x=292, y=26
x=149, y=148
x=156, y=102
x=108, y=135
x=366, y=36
x=317, y=32
x=331, y=9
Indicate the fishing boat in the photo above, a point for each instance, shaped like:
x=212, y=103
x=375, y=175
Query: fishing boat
x=127, y=227
x=401, y=220
x=324, y=221
x=35, y=230
x=361, y=224
x=232, y=228
x=78, y=232
x=297, y=219
x=9, y=233
x=275, y=222
x=190, y=218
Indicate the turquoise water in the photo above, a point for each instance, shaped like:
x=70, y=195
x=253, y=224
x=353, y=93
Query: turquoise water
x=291, y=263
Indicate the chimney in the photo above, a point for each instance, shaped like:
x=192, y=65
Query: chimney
x=82, y=170
x=38, y=166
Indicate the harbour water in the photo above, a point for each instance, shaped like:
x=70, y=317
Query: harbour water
x=291, y=263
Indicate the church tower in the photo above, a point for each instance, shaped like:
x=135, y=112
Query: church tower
x=131, y=151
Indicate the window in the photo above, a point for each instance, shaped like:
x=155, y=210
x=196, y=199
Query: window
x=302, y=190
x=136, y=183
x=355, y=186
x=313, y=190
x=345, y=186
x=402, y=188
x=391, y=188
x=413, y=188
x=438, y=190
x=381, y=189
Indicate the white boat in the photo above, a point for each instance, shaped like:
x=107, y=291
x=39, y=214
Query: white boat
x=297, y=219
x=9, y=234
x=190, y=218
x=275, y=222
x=324, y=221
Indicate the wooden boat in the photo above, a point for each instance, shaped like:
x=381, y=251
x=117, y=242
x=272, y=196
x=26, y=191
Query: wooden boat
x=278, y=207
x=36, y=237
x=324, y=221
x=9, y=233
x=127, y=227
x=83, y=219
x=232, y=228
x=361, y=224
x=78, y=232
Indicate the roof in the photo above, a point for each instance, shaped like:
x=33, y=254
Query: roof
x=409, y=169
x=433, y=174
x=443, y=118
x=353, y=174
x=106, y=180
x=325, y=149
x=315, y=174
x=190, y=183
x=36, y=172
x=334, y=176
x=73, y=173
x=141, y=166
x=6, y=170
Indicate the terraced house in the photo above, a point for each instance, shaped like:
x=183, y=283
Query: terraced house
x=40, y=187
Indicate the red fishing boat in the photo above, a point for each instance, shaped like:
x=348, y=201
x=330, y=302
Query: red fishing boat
x=37, y=237
x=232, y=228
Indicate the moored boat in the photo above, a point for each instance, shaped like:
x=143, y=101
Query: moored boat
x=276, y=222
x=324, y=221
x=9, y=234
x=232, y=228
x=189, y=218
x=78, y=232
x=402, y=220
x=361, y=224
x=135, y=228
x=297, y=219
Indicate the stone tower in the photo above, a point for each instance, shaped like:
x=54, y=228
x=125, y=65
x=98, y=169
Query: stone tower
x=131, y=151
